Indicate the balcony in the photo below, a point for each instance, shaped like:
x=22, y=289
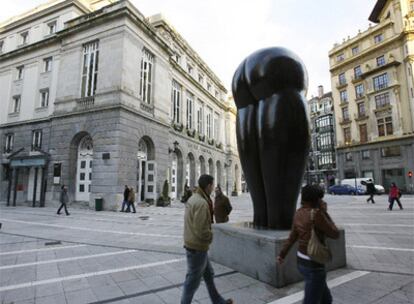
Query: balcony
x=343, y=103
x=360, y=116
x=383, y=109
x=356, y=78
x=345, y=121
x=341, y=84
x=85, y=103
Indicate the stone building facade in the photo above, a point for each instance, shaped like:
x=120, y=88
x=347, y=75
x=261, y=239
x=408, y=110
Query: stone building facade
x=321, y=167
x=99, y=96
x=373, y=92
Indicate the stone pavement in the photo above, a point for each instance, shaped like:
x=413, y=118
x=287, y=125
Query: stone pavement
x=108, y=257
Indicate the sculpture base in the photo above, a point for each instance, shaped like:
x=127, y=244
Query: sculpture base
x=253, y=252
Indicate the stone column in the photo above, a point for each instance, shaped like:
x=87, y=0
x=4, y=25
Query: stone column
x=35, y=187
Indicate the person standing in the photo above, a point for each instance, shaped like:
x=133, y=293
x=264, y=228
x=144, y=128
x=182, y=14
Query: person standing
x=314, y=273
x=394, y=195
x=125, y=202
x=131, y=200
x=64, y=199
x=370, y=191
x=198, y=217
x=222, y=206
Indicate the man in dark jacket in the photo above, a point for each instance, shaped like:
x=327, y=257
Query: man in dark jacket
x=64, y=199
x=222, y=206
x=126, y=194
x=370, y=191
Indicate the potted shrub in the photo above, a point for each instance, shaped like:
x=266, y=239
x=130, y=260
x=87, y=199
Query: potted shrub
x=164, y=199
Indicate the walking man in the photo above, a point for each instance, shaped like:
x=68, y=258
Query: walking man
x=64, y=199
x=222, y=206
x=131, y=200
x=394, y=195
x=370, y=191
x=126, y=194
x=198, y=217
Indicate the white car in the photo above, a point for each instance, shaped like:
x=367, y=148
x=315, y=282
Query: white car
x=379, y=189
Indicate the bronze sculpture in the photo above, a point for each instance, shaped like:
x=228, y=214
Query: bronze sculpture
x=272, y=132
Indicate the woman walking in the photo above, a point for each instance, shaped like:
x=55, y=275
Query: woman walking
x=314, y=273
x=64, y=199
x=222, y=206
x=394, y=195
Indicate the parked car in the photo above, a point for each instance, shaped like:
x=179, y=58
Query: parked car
x=361, y=184
x=345, y=189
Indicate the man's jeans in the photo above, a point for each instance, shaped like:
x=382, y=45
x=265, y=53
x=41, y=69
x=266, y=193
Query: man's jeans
x=198, y=266
x=316, y=290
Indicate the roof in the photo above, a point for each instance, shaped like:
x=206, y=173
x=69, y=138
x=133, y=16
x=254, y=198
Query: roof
x=376, y=12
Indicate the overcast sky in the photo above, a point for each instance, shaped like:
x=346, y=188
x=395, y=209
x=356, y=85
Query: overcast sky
x=224, y=32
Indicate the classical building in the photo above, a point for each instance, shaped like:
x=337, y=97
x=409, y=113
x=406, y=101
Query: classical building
x=373, y=92
x=321, y=166
x=94, y=95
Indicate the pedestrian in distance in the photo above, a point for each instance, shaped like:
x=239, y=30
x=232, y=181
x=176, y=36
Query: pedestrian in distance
x=394, y=195
x=187, y=193
x=222, y=206
x=125, y=201
x=371, y=191
x=131, y=200
x=314, y=273
x=198, y=217
x=64, y=199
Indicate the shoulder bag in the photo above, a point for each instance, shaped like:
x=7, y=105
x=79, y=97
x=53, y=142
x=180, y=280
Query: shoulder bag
x=317, y=251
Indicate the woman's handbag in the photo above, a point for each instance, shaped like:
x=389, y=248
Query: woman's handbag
x=317, y=251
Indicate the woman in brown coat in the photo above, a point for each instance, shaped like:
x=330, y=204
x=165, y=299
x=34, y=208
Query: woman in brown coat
x=316, y=289
x=222, y=206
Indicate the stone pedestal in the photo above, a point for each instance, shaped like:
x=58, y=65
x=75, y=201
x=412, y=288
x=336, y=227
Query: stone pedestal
x=253, y=252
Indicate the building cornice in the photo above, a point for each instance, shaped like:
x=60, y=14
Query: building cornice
x=11, y=24
x=376, y=12
x=378, y=141
x=365, y=53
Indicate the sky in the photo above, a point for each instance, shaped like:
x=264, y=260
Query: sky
x=224, y=32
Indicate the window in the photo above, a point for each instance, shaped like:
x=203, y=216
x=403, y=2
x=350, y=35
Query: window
x=378, y=38
x=324, y=141
x=326, y=159
x=355, y=50
x=90, y=69
x=190, y=111
x=342, y=79
x=51, y=26
x=20, y=71
x=200, y=78
x=380, y=82
x=47, y=64
x=9, y=141
x=176, y=102
x=216, y=126
x=385, y=126
x=411, y=5
x=347, y=135
x=145, y=88
x=380, y=60
x=16, y=104
x=382, y=100
x=324, y=121
x=361, y=109
x=357, y=72
x=359, y=90
x=344, y=96
x=363, y=135
x=345, y=113
x=177, y=57
x=216, y=94
x=36, y=140
x=200, y=119
x=208, y=86
x=366, y=154
x=190, y=69
x=24, y=37
x=1, y=46
x=209, y=122
x=348, y=156
x=391, y=151
x=44, y=98
x=340, y=57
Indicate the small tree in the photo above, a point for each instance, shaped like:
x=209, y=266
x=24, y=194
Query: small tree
x=164, y=199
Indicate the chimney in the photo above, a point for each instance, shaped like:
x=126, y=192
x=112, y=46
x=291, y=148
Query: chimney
x=320, y=91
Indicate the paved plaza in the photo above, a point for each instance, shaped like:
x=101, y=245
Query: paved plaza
x=108, y=257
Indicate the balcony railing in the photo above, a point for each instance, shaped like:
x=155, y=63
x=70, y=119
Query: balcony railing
x=86, y=102
x=341, y=84
x=360, y=116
